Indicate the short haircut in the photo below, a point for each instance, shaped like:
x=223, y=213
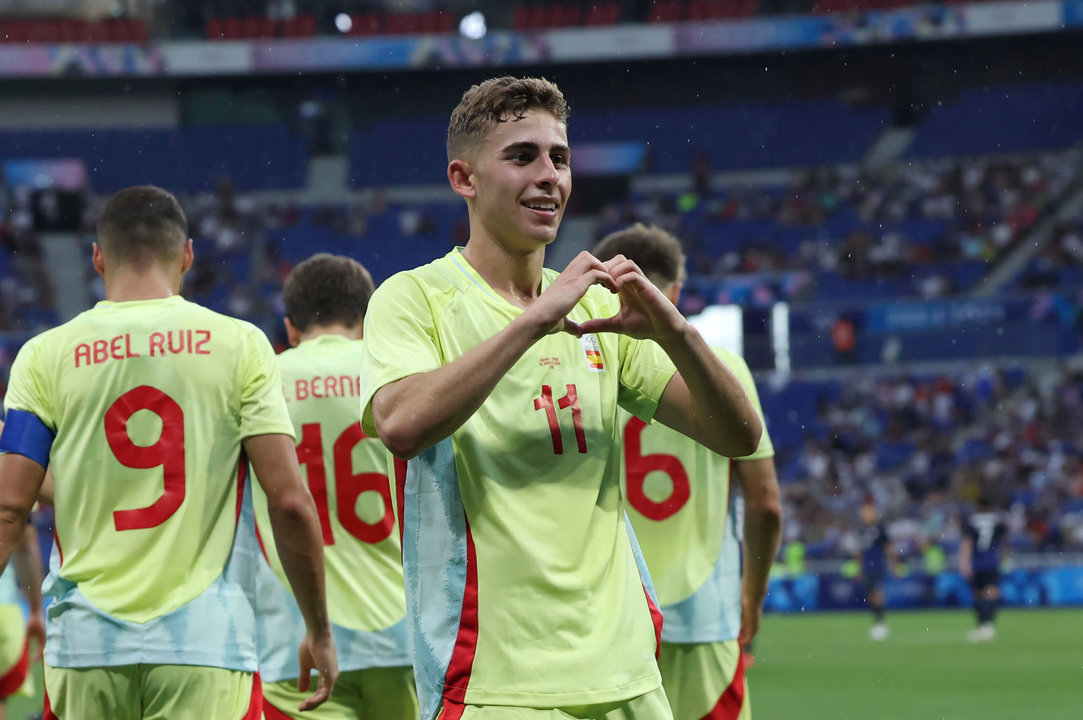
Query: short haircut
x=657, y=253
x=327, y=290
x=142, y=224
x=498, y=100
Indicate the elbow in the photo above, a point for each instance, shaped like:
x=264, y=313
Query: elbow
x=400, y=439
x=768, y=510
x=746, y=439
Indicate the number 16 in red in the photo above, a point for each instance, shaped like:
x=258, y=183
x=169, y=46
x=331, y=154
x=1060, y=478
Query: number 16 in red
x=570, y=399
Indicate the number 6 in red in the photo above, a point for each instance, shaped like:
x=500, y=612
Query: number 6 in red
x=168, y=452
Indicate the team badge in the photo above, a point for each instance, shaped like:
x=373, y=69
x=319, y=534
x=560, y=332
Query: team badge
x=592, y=349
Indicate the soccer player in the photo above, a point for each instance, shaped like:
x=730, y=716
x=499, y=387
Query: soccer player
x=979, y=562
x=15, y=632
x=326, y=297
x=145, y=407
x=500, y=381
x=681, y=506
x=874, y=565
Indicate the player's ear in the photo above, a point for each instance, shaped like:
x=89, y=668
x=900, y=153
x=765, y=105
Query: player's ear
x=673, y=292
x=461, y=177
x=292, y=333
x=97, y=260
x=189, y=256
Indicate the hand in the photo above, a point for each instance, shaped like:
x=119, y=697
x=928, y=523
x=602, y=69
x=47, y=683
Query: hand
x=751, y=613
x=552, y=306
x=317, y=653
x=35, y=630
x=645, y=313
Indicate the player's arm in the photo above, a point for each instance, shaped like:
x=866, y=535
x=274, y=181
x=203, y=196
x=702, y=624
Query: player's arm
x=18, y=492
x=418, y=411
x=762, y=534
x=704, y=399
x=28, y=573
x=966, y=554
x=299, y=542
x=48, y=488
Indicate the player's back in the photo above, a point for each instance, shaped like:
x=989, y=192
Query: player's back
x=149, y=402
x=986, y=531
x=347, y=474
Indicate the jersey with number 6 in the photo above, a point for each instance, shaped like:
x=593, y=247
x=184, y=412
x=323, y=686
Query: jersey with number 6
x=678, y=495
x=523, y=584
x=141, y=407
x=347, y=474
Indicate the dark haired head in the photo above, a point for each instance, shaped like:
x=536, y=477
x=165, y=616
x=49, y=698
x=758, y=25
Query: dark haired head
x=657, y=253
x=327, y=290
x=141, y=225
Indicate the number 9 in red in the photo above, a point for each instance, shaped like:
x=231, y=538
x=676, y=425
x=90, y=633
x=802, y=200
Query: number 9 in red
x=168, y=452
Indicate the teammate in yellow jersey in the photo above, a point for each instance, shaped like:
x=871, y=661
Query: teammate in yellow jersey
x=23, y=573
x=680, y=503
x=144, y=407
x=326, y=297
x=500, y=381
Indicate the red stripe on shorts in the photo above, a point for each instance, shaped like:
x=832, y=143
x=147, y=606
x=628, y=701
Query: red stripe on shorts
x=466, y=644
x=450, y=710
x=733, y=699
x=48, y=713
x=15, y=677
x=242, y=473
x=256, y=707
x=656, y=618
x=400, y=496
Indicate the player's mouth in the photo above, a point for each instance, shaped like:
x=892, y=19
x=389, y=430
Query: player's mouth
x=546, y=208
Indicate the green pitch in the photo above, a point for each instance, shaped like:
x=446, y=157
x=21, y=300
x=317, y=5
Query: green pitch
x=824, y=667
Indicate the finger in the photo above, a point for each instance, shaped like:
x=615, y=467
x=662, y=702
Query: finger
x=625, y=267
x=572, y=327
x=601, y=276
x=597, y=325
x=305, y=678
x=323, y=691
x=614, y=261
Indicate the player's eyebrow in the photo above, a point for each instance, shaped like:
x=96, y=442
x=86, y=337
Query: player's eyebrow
x=533, y=146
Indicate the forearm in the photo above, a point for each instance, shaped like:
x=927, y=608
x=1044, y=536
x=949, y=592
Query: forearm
x=419, y=411
x=300, y=548
x=722, y=415
x=22, y=478
x=28, y=569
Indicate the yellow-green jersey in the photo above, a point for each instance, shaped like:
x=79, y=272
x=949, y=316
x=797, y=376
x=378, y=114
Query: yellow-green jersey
x=347, y=474
x=140, y=409
x=523, y=581
x=678, y=494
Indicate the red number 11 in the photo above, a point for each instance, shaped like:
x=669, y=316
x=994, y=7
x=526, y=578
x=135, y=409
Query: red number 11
x=570, y=399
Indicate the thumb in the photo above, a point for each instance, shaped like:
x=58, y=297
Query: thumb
x=597, y=325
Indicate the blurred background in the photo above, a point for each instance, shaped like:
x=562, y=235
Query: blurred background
x=880, y=201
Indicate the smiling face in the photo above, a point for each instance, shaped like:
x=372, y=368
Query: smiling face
x=517, y=182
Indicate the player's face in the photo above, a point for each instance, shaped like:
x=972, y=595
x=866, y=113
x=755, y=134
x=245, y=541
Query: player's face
x=523, y=179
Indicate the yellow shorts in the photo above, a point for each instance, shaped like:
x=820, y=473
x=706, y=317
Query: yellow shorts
x=705, y=681
x=15, y=677
x=371, y=694
x=150, y=692
x=652, y=706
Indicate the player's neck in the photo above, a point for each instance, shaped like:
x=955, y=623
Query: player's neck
x=350, y=333
x=512, y=274
x=128, y=285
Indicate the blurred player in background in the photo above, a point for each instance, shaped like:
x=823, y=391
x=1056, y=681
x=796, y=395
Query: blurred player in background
x=979, y=562
x=679, y=496
x=501, y=380
x=23, y=572
x=326, y=297
x=144, y=407
x=874, y=565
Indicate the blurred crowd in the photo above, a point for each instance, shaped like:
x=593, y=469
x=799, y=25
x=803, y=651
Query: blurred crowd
x=925, y=449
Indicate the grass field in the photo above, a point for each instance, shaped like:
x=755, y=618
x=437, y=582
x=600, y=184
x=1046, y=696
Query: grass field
x=824, y=667
x=821, y=667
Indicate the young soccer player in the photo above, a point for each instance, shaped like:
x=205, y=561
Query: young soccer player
x=326, y=297
x=500, y=380
x=979, y=562
x=144, y=408
x=681, y=503
x=874, y=566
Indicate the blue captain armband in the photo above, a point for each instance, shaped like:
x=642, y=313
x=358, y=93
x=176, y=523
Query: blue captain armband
x=25, y=434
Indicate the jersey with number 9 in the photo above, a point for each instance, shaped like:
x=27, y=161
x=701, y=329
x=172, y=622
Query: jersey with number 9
x=347, y=473
x=148, y=403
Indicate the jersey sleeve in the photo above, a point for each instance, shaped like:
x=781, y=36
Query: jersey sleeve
x=739, y=367
x=645, y=370
x=399, y=340
x=263, y=404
